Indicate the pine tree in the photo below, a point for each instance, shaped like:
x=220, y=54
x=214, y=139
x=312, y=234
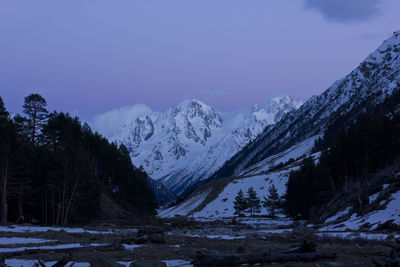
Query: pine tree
x=253, y=202
x=272, y=202
x=5, y=151
x=36, y=112
x=240, y=203
x=3, y=111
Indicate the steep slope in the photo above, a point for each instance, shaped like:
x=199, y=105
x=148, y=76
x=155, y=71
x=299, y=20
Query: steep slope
x=188, y=143
x=163, y=195
x=215, y=199
x=367, y=85
x=380, y=209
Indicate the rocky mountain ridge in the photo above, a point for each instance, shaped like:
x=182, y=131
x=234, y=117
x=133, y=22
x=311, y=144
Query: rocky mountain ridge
x=191, y=141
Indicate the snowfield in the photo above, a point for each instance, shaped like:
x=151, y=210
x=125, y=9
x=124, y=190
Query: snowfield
x=256, y=176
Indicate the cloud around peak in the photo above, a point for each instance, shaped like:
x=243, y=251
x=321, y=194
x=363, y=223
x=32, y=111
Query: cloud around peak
x=345, y=11
x=109, y=122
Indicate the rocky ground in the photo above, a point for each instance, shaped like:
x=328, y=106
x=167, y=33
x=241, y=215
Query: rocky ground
x=178, y=241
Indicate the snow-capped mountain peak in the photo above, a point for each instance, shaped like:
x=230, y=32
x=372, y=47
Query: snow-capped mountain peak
x=365, y=87
x=190, y=141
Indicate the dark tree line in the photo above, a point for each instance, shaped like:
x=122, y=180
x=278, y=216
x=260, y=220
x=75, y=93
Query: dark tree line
x=252, y=203
x=53, y=169
x=361, y=148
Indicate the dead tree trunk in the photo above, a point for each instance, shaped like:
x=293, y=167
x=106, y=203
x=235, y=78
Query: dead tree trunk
x=4, y=206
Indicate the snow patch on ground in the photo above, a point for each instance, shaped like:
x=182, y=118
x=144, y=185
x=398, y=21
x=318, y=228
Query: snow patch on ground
x=226, y=237
x=22, y=240
x=338, y=215
x=55, y=247
x=26, y=263
x=390, y=213
x=355, y=235
x=178, y=263
x=169, y=263
x=22, y=229
x=131, y=247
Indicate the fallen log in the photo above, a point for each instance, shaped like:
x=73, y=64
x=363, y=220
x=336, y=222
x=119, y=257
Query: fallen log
x=112, y=247
x=236, y=259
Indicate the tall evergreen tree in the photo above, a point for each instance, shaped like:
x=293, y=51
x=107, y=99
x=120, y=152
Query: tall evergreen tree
x=5, y=151
x=253, y=202
x=60, y=178
x=36, y=112
x=272, y=202
x=240, y=203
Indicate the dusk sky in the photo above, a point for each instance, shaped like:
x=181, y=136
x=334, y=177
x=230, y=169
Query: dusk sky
x=90, y=56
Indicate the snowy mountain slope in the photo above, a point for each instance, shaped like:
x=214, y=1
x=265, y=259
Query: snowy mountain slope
x=366, y=86
x=215, y=199
x=294, y=152
x=191, y=141
x=385, y=212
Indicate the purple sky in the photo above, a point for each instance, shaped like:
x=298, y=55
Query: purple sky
x=90, y=56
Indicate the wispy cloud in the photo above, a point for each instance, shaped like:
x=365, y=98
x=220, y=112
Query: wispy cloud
x=345, y=11
x=111, y=121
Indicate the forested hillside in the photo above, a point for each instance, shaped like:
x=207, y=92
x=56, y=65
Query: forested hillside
x=352, y=151
x=54, y=169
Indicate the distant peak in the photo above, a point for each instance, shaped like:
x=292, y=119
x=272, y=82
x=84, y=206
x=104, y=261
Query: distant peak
x=193, y=104
x=190, y=102
x=281, y=98
x=285, y=100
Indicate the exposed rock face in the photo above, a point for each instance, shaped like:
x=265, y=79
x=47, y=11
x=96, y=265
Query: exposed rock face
x=191, y=141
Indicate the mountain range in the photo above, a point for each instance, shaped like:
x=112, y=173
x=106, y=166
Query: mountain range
x=190, y=142
x=372, y=89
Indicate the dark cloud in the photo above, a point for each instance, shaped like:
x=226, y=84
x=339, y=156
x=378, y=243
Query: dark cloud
x=345, y=11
